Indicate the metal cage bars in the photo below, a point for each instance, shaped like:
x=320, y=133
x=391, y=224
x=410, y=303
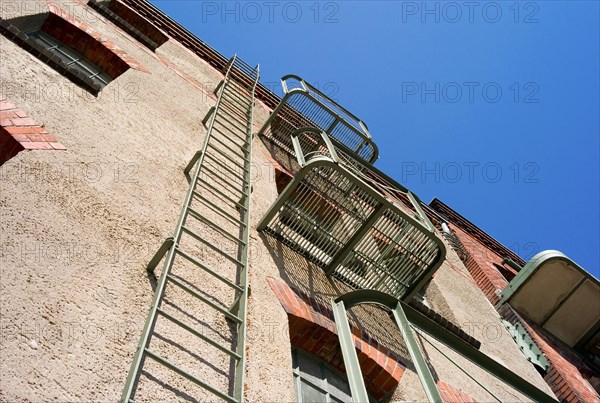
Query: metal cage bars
x=303, y=105
x=220, y=185
x=350, y=229
x=408, y=319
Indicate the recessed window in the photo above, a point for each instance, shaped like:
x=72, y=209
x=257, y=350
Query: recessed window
x=506, y=272
x=316, y=381
x=70, y=47
x=131, y=22
x=71, y=57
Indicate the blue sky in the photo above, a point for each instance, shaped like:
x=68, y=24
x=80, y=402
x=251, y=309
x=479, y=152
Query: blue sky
x=492, y=107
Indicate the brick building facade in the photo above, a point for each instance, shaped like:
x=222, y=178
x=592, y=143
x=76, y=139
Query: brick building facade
x=111, y=115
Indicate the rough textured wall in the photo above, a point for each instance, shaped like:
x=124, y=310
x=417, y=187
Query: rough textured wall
x=79, y=226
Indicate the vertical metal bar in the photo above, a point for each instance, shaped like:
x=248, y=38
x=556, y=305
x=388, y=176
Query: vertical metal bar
x=243, y=301
x=355, y=239
x=429, y=385
x=355, y=379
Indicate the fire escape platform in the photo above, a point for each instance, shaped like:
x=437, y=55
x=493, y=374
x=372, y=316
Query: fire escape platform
x=353, y=224
x=304, y=105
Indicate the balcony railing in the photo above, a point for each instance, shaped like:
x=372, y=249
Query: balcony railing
x=303, y=105
x=348, y=219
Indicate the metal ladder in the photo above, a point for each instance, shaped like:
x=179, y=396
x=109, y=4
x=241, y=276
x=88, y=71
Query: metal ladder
x=198, y=314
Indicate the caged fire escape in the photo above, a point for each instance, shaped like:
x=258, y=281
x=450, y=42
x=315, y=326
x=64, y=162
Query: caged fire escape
x=339, y=211
x=362, y=227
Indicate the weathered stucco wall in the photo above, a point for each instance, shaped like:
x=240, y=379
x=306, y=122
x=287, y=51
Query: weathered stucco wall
x=78, y=228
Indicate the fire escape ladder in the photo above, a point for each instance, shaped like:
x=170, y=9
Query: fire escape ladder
x=206, y=261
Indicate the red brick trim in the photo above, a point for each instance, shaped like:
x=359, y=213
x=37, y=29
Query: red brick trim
x=313, y=329
x=191, y=80
x=195, y=45
x=474, y=230
x=20, y=132
x=479, y=261
x=567, y=373
x=453, y=395
x=90, y=43
x=138, y=22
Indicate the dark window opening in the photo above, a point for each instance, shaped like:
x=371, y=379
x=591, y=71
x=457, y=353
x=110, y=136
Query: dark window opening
x=71, y=58
x=131, y=22
x=507, y=272
x=68, y=46
x=316, y=381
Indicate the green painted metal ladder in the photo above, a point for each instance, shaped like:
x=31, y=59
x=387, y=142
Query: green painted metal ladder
x=206, y=262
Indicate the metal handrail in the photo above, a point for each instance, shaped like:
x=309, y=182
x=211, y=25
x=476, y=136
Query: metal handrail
x=305, y=105
x=334, y=105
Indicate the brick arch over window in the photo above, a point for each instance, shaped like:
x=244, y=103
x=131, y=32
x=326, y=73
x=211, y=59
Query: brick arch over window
x=312, y=328
x=76, y=34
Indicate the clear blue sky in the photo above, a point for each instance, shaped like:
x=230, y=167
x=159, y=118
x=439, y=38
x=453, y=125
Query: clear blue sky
x=492, y=107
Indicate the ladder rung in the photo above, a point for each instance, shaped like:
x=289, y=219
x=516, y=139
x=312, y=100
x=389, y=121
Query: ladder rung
x=234, y=163
x=228, y=157
x=236, y=101
x=240, y=116
x=227, y=131
x=228, y=169
x=233, y=100
x=187, y=375
x=223, y=195
x=235, y=106
x=202, y=298
x=198, y=334
x=216, y=227
x=236, y=124
x=240, y=88
x=232, y=90
x=235, y=90
x=236, y=153
x=219, y=210
x=222, y=115
x=217, y=177
x=210, y=245
x=227, y=111
x=230, y=134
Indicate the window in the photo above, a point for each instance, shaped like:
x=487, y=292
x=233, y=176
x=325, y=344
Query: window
x=131, y=22
x=70, y=47
x=71, y=57
x=507, y=272
x=316, y=381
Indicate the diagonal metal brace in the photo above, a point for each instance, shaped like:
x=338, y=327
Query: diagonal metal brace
x=192, y=162
x=162, y=251
x=208, y=115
